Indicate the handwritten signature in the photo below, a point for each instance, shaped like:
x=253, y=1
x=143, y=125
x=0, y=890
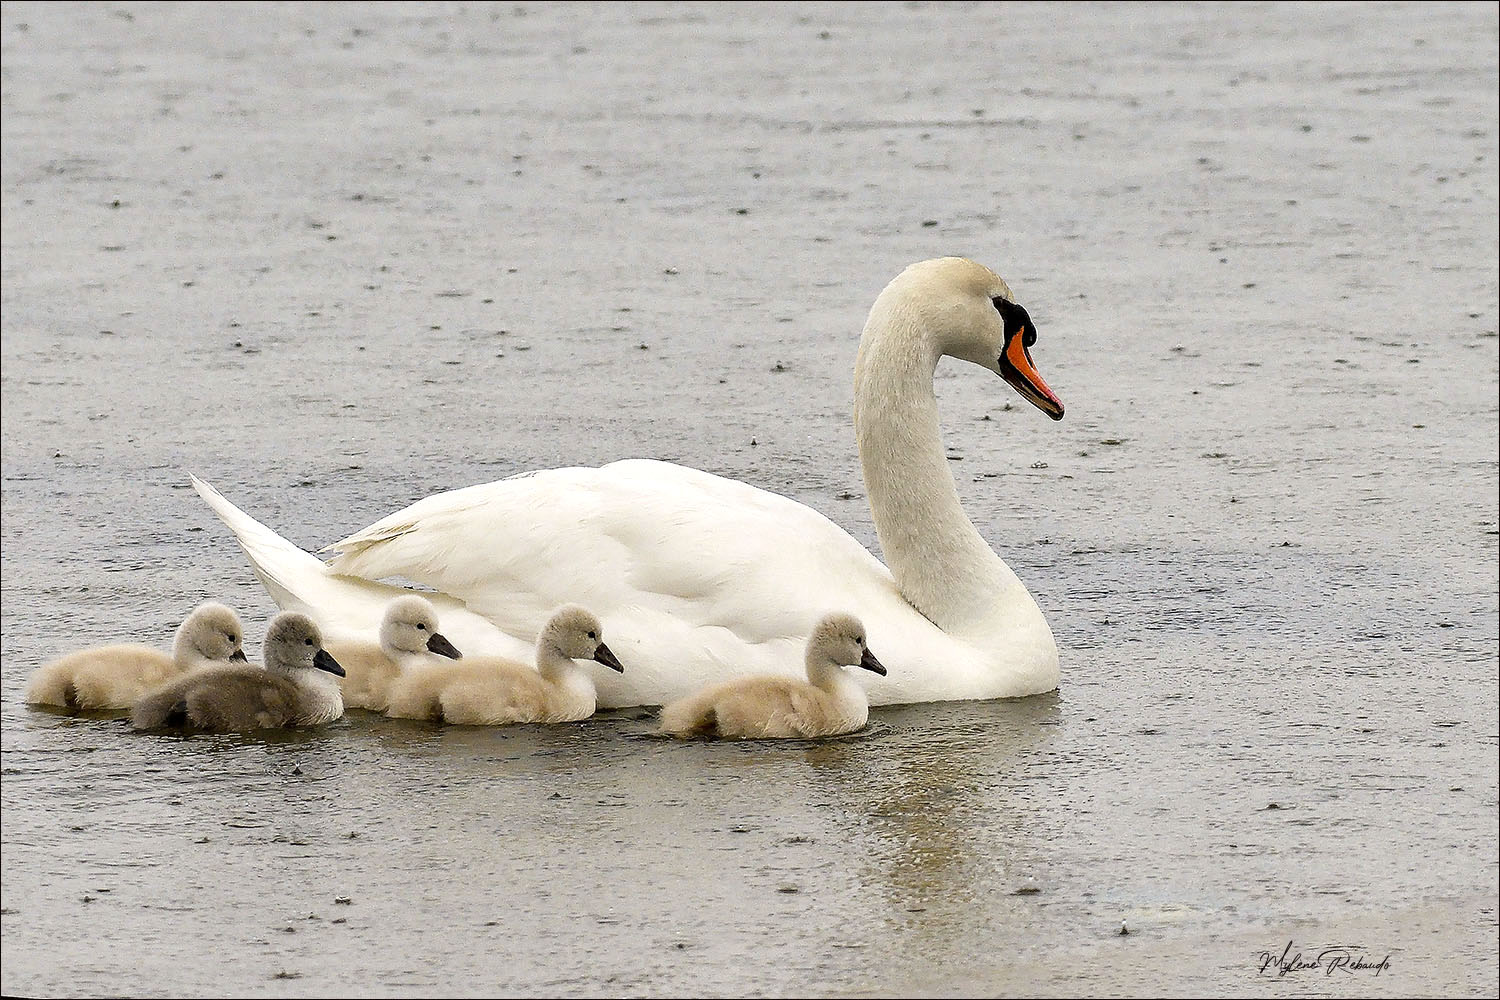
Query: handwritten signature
x=1339, y=958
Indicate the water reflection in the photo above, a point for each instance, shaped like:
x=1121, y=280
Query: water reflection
x=943, y=801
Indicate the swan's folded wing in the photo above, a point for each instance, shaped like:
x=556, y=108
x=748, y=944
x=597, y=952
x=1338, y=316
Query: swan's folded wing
x=633, y=539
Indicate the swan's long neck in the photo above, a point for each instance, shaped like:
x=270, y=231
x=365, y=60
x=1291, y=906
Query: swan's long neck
x=941, y=563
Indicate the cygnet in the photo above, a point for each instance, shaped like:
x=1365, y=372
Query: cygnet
x=828, y=703
x=409, y=641
x=296, y=688
x=115, y=677
x=490, y=691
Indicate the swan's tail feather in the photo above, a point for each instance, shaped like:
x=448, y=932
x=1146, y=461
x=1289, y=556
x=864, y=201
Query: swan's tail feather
x=281, y=567
x=345, y=607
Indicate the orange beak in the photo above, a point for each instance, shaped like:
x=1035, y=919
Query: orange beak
x=1017, y=369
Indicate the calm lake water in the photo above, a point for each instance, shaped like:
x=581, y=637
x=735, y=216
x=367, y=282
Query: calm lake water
x=336, y=258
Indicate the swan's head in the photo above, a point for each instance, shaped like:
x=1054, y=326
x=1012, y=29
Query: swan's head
x=577, y=634
x=840, y=639
x=212, y=632
x=294, y=644
x=974, y=317
x=411, y=626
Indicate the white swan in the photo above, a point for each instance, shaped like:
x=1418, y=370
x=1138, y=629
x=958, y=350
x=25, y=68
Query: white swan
x=409, y=640
x=701, y=579
x=497, y=692
x=114, y=677
x=828, y=703
x=294, y=689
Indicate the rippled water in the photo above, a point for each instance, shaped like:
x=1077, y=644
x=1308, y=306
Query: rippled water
x=337, y=258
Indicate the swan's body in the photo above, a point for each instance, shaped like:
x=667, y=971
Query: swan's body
x=294, y=689
x=115, y=677
x=701, y=579
x=409, y=641
x=828, y=703
x=491, y=691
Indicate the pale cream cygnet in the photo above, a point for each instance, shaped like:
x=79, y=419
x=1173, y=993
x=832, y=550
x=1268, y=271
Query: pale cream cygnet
x=115, y=677
x=409, y=641
x=296, y=688
x=491, y=691
x=828, y=703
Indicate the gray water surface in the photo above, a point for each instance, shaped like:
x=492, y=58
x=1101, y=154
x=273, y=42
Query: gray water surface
x=336, y=258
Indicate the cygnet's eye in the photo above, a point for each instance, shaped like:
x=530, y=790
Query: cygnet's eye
x=593, y=636
x=307, y=642
x=421, y=627
x=233, y=638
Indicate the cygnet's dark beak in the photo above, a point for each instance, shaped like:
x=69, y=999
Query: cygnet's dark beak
x=604, y=656
x=324, y=661
x=239, y=655
x=439, y=644
x=868, y=662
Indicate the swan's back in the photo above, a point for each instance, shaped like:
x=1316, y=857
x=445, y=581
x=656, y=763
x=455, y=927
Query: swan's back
x=652, y=532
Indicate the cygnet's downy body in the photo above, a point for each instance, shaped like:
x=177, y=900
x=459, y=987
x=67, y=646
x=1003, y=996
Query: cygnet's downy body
x=296, y=688
x=490, y=691
x=409, y=642
x=115, y=677
x=828, y=703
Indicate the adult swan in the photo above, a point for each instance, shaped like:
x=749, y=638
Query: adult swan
x=699, y=579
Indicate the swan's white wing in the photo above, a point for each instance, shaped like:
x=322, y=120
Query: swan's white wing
x=634, y=534
x=696, y=578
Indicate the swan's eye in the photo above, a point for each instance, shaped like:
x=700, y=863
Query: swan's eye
x=307, y=642
x=593, y=636
x=421, y=627
x=234, y=639
x=1016, y=320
